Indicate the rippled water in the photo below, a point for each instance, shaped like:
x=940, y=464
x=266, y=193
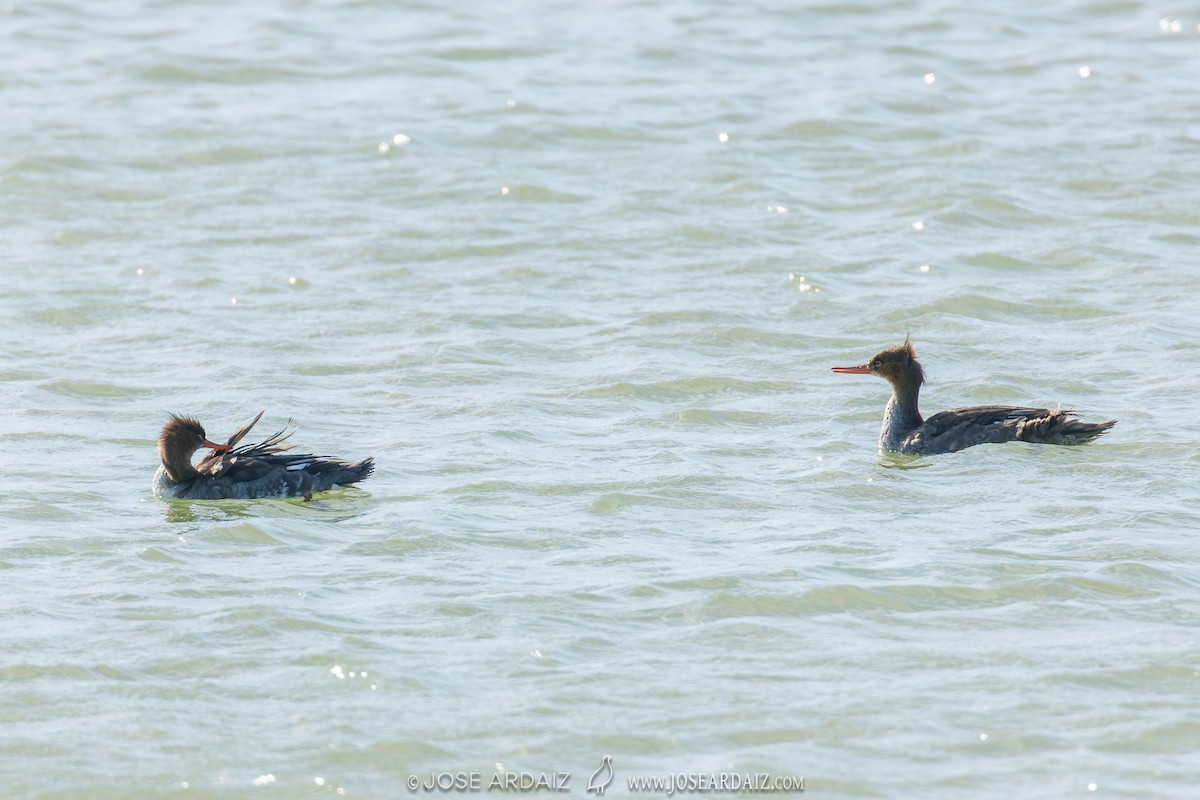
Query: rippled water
x=574, y=276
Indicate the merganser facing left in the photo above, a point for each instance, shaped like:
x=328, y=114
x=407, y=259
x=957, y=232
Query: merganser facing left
x=246, y=472
x=904, y=431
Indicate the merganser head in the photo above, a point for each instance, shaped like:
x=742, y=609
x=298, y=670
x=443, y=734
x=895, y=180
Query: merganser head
x=898, y=365
x=181, y=437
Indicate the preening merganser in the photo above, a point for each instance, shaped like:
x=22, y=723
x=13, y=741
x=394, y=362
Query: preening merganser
x=265, y=469
x=904, y=431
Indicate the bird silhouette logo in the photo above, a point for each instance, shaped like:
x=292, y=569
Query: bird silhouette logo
x=601, y=778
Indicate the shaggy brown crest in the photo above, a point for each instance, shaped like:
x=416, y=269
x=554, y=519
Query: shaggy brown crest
x=181, y=437
x=899, y=365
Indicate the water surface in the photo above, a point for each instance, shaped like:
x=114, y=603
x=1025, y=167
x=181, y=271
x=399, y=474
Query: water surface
x=575, y=278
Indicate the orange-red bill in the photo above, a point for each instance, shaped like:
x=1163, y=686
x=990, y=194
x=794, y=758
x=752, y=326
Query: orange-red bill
x=861, y=369
x=215, y=446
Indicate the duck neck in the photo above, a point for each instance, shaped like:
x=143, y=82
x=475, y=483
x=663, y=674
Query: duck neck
x=901, y=416
x=177, y=464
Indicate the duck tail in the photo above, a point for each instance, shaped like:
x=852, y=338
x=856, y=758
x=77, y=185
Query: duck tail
x=1062, y=427
x=353, y=473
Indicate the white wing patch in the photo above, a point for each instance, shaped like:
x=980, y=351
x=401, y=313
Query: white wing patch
x=296, y=466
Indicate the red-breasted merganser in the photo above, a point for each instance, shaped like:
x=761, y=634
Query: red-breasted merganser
x=904, y=431
x=246, y=472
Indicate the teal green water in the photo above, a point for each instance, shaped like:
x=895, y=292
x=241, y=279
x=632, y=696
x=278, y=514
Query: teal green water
x=575, y=277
